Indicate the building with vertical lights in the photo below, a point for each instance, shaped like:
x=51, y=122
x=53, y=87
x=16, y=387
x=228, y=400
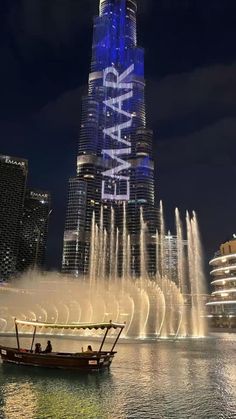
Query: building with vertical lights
x=13, y=175
x=170, y=266
x=34, y=229
x=222, y=304
x=115, y=161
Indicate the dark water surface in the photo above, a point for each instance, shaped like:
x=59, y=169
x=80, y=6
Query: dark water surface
x=181, y=379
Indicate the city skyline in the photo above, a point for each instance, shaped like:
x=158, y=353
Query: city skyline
x=192, y=110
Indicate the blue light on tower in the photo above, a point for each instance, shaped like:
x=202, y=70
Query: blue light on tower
x=114, y=162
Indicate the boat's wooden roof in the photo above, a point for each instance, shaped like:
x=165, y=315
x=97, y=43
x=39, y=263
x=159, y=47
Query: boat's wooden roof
x=84, y=326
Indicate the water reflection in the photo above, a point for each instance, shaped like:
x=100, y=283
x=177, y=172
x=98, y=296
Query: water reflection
x=183, y=379
x=20, y=400
x=35, y=393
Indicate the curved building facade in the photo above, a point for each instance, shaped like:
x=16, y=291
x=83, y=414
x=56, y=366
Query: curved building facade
x=222, y=304
x=115, y=161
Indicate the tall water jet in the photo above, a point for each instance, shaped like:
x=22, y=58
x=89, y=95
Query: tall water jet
x=128, y=272
x=112, y=245
x=116, y=255
x=181, y=270
x=191, y=270
x=104, y=257
x=157, y=254
x=199, y=278
x=143, y=253
x=101, y=243
x=180, y=250
x=93, y=252
x=152, y=305
x=124, y=247
x=162, y=241
x=144, y=306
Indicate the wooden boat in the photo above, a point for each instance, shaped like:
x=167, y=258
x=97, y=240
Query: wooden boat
x=81, y=361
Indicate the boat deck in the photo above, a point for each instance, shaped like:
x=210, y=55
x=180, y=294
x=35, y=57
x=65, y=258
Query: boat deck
x=78, y=361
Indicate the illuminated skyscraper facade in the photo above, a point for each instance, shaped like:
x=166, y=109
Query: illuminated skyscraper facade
x=13, y=175
x=115, y=166
x=170, y=265
x=34, y=229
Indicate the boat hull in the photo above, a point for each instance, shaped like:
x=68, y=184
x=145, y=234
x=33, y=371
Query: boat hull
x=81, y=362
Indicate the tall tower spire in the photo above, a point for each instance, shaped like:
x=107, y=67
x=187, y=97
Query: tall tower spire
x=106, y=5
x=126, y=10
x=114, y=164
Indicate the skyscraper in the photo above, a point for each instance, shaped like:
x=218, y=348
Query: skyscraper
x=171, y=254
x=34, y=229
x=13, y=175
x=115, y=169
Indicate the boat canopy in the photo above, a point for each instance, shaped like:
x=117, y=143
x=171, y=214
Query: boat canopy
x=83, y=326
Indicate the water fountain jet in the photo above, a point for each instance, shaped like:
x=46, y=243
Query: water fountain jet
x=160, y=305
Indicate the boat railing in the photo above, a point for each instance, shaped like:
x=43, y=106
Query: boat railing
x=83, y=326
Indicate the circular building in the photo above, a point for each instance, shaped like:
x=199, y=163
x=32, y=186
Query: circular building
x=222, y=303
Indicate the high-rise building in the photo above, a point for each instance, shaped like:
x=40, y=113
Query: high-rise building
x=13, y=175
x=171, y=256
x=34, y=229
x=222, y=304
x=115, y=169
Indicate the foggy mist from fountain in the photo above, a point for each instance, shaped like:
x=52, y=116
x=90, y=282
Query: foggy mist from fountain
x=157, y=306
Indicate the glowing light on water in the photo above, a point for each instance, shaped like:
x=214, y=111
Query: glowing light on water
x=159, y=306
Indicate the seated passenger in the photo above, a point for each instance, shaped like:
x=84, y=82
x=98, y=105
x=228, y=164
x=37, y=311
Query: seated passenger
x=38, y=348
x=89, y=348
x=48, y=348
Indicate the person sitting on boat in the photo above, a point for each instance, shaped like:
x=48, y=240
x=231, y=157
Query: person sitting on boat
x=89, y=348
x=48, y=348
x=38, y=348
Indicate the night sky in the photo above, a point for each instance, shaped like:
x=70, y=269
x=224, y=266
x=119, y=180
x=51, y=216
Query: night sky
x=45, y=49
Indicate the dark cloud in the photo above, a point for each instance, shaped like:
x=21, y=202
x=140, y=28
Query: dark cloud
x=206, y=97
x=64, y=111
x=41, y=42
x=55, y=22
x=214, y=145
x=210, y=90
